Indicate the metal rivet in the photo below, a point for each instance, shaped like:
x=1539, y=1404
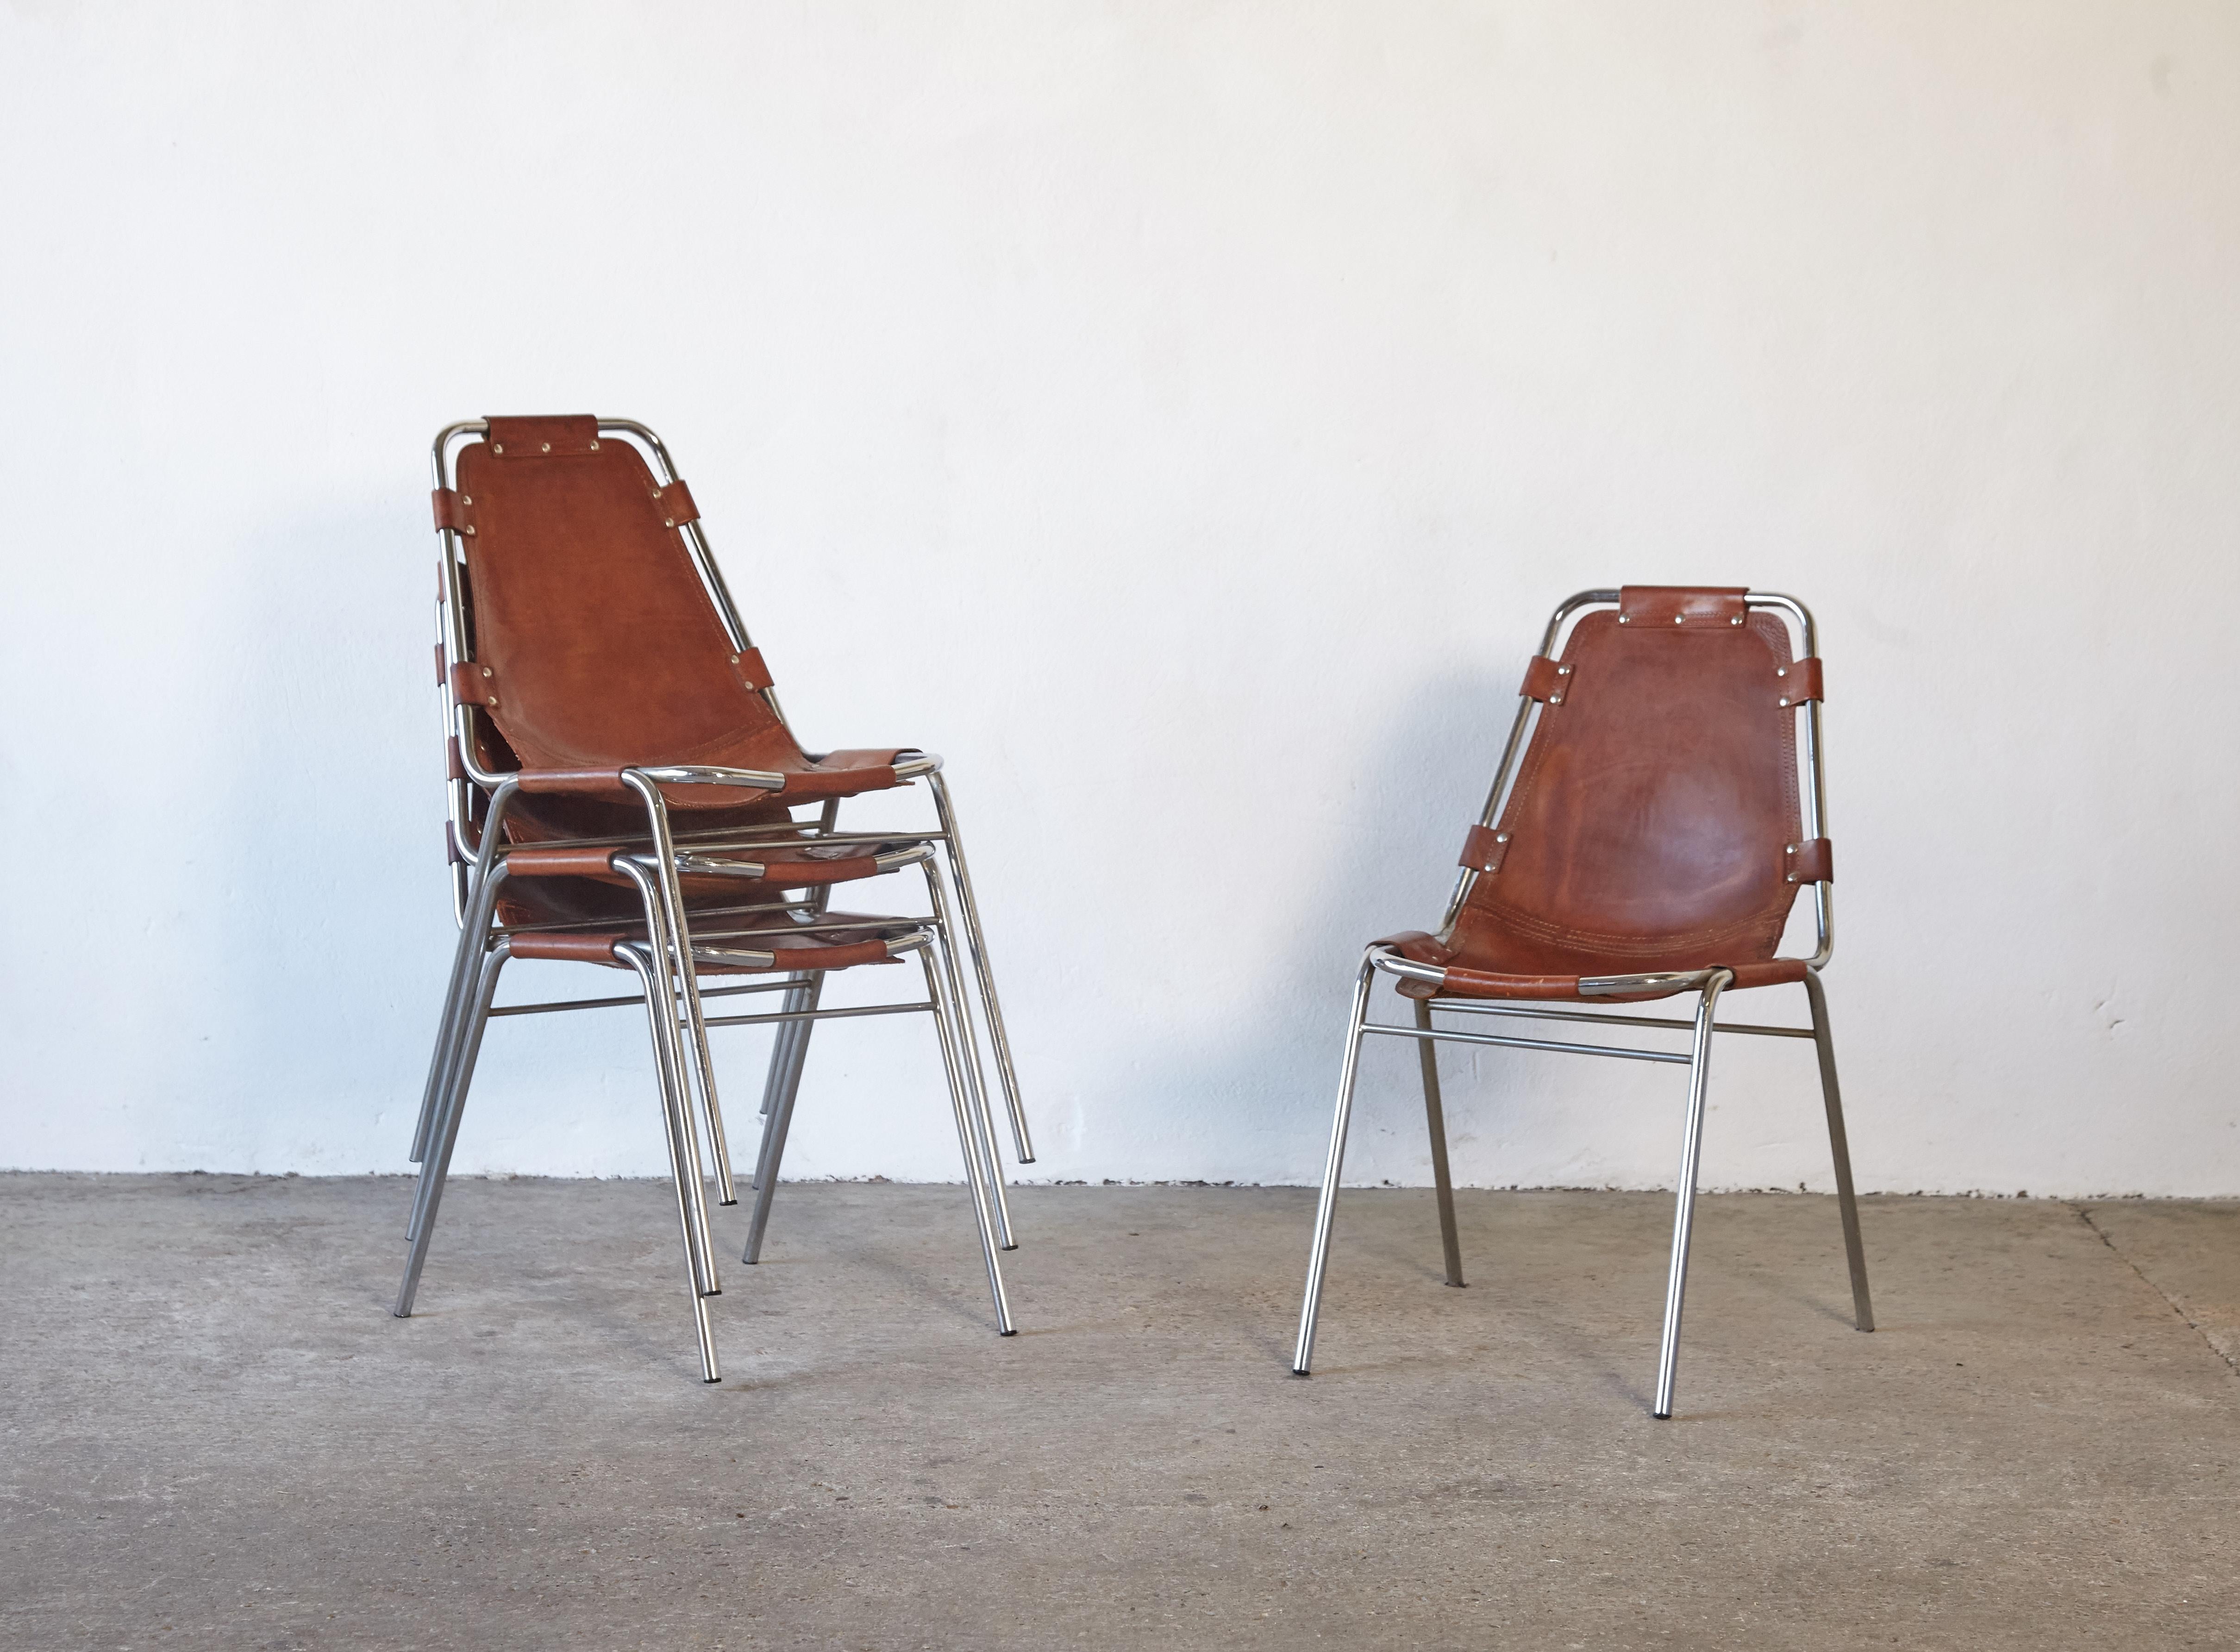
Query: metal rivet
x=1736, y=620
x=594, y=446
x=486, y=670
x=1791, y=850
x=493, y=700
x=497, y=447
x=548, y=447
x=1784, y=703
x=668, y=521
x=1562, y=670
x=1679, y=620
x=468, y=531
x=465, y=500
x=1555, y=699
x=1792, y=877
x=1501, y=837
x=735, y=659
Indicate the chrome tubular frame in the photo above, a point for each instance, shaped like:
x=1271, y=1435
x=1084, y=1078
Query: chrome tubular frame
x=1707, y=983
x=655, y=862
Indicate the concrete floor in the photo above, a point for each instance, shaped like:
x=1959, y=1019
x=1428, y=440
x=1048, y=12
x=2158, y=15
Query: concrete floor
x=216, y=1436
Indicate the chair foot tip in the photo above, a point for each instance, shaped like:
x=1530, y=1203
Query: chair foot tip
x=727, y=1204
x=1458, y=1284
x=1661, y=1417
x=1296, y=1371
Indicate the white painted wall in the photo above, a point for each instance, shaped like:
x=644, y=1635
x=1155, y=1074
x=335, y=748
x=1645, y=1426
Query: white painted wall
x=1182, y=415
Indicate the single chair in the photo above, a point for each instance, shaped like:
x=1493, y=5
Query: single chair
x=1650, y=844
x=621, y=792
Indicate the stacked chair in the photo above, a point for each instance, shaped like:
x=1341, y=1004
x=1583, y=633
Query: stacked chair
x=1643, y=840
x=623, y=792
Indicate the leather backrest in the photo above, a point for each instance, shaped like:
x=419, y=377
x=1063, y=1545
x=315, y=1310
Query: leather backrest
x=600, y=643
x=1657, y=799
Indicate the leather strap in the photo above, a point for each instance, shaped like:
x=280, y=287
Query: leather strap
x=566, y=948
x=674, y=504
x=817, y=782
x=561, y=862
x=1546, y=681
x=820, y=955
x=597, y=781
x=843, y=781
x=1800, y=681
x=473, y=684
x=803, y=873
x=1812, y=861
x=543, y=438
x=752, y=672
x=1484, y=849
x=1670, y=606
x=448, y=513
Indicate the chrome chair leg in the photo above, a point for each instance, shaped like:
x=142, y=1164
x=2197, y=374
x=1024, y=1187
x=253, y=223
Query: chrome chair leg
x=436, y=1166
x=786, y=1080
x=983, y=1119
x=1691, y=1153
x=703, y=1066
x=685, y=996
x=1435, y=1115
x=945, y=1014
x=1318, y=1257
x=466, y=962
x=961, y=875
x=1823, y=1041
x=677, y=1120
x=796, y=996
x=663, y=944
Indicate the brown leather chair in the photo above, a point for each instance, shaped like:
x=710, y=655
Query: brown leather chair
x=621, y=792
x=1652, y=844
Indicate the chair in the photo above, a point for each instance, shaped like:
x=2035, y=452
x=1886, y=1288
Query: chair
x=622, y=787
x=1650, y=845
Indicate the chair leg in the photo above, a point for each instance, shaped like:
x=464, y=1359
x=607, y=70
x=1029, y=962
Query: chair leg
x=944, y=1017
x=703, y=1064
x=797, y=997
x=466, y=964
x=983, y=1119
x=685, y=996
x=659, y=984
x=1684, y=1219
x=1436, y=1117
x=784, y=1085
x=662, y=947
x=435, y=1163
x=999, y=1040
x=1862, y=1308
x=1318, y=1257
